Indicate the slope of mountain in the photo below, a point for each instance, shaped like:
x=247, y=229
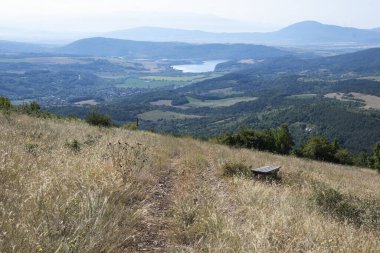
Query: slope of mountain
x=308, y=32
x=169, y=50
x=78, y=188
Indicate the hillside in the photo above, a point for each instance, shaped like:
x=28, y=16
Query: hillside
x=307, y=32
x=69, y=187
x=168, y=50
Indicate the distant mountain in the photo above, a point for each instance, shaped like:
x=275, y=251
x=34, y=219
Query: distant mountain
x=311, y=32
x=308, y=32
x=18, y=47
x=169, y=50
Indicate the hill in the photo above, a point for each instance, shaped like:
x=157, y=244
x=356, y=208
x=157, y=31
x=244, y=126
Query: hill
x=303, y=33
x=168, y=50
x=69, y=187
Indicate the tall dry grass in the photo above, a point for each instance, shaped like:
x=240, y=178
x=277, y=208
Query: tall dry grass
x=58, y=198
x=95, y=195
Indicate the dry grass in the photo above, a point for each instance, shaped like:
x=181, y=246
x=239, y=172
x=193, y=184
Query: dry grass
x=58, y=199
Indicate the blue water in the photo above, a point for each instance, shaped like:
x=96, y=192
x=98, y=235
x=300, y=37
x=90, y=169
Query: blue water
x=206, y=66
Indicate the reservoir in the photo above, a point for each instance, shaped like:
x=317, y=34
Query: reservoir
x=206, y=66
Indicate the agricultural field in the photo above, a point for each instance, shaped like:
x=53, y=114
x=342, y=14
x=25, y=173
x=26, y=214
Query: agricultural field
x=193, y=102
x=225, y=92
x=371, y=102
x=158, y=115
x=162, y=103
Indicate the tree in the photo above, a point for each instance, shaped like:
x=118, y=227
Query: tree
x=34, y=107
x=376, y=157
x=5, y=103
x=283, y=140
x=319, y=148
x=97, y=119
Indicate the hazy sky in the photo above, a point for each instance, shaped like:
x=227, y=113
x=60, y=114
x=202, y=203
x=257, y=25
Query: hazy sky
x=107, y=15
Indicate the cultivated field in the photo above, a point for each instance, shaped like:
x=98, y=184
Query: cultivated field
x=371, y=102
x=157, y=115
x=69, y=187
x=193, y=102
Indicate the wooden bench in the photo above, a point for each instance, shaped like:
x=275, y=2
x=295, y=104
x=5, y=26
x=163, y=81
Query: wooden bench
x=266, y=171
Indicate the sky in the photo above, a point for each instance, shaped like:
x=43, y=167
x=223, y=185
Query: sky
x=211, y=15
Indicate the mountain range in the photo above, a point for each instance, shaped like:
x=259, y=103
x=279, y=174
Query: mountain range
x=303, y=33
x=169, y=50
x=135, y=42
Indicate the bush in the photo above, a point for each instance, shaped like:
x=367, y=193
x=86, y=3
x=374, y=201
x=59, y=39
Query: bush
x=277, y=140
x=283, y=140
x=343, y=156
x=5, y=103
x=319, y=148
x=131, y=126
x=74, y=145
x=237, y=169
x=97, y=119
x=376, y=157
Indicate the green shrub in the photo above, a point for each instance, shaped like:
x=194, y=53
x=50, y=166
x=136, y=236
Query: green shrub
x=131, y=126
x=97, y=119
x=74, y=145
x=344, y=157
x=277, y=140
x=376, y=157
x=5, y=103
x=237, y=169
x=319, y=148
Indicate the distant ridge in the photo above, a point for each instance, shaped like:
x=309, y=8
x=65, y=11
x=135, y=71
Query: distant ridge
x=307, y=32
x=169, y=50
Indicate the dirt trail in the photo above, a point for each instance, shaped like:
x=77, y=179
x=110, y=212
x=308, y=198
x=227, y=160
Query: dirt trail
x=152, y=235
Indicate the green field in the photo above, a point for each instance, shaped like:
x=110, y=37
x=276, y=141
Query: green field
x=193, y=102
x=157, y=115
x=225, y=91
x=173, y=78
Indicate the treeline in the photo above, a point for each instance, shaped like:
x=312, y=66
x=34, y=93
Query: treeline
x=32, y=108
x=280, y=141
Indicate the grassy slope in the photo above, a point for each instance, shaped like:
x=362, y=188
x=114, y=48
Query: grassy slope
x=133, y=191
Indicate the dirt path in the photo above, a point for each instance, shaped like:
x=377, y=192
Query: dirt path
x=152, y=235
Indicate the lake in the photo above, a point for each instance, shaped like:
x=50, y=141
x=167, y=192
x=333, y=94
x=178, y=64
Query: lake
x=206, y=66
